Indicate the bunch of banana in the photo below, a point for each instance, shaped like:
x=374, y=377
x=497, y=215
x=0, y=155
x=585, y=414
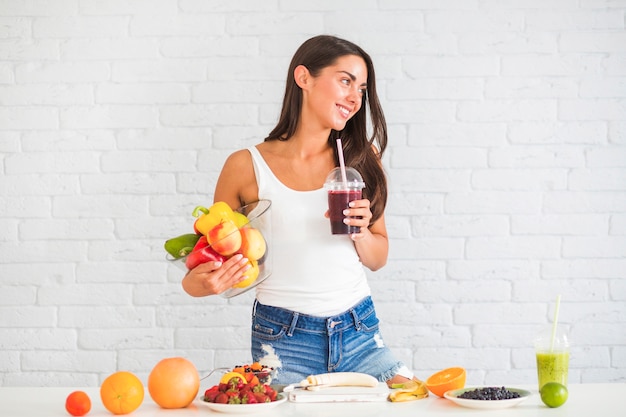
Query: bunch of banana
x=409, y=391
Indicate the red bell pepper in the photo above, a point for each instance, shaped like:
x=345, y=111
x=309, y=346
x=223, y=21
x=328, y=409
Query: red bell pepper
x=202, y=253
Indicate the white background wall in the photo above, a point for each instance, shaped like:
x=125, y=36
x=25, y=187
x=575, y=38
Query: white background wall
x=507, y=168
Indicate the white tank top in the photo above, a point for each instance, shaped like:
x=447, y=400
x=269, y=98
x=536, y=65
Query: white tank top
x=314, y=272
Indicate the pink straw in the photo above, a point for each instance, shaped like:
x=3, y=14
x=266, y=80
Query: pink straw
x=341, y=162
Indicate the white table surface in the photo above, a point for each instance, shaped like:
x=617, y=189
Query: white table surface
x=585, y=400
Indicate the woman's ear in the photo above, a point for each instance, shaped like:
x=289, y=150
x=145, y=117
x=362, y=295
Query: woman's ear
x=301, y=75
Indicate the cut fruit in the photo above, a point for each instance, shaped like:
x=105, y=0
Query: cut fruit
x=230, y=375
x=448, y=379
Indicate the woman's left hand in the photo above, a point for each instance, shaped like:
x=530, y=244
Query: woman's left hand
x=371, y=242
x=359, y=215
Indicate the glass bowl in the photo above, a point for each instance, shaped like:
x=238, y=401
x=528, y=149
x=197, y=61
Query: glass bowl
x=259, y=217
x=265, y=375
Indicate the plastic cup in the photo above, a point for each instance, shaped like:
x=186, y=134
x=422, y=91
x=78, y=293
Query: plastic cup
x=340, y=194
x=552, y=357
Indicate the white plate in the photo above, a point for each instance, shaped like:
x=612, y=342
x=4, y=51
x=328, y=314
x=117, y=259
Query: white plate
x=244, y=408
x=486, y=404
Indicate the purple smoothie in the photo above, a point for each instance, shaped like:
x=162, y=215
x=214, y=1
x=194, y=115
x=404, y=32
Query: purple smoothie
x=337, y=202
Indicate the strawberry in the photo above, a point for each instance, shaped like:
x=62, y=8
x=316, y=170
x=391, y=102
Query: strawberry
x=248, y=398
x=261, y=397
x=214, y=388
x=235, y=384
x=271, y=393
x=232, y=393
x=209, y=396
x=221, y=398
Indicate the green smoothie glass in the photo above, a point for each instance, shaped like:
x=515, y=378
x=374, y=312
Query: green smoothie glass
x=552, y=357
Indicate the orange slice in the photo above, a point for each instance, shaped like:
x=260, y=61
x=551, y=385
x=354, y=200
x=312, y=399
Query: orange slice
x=448, y=379
x=230, y=375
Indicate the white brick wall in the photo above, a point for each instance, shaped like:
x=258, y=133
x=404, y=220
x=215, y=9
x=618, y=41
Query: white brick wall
x=507, y=167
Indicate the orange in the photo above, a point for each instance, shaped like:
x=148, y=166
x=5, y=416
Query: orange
x=229, y=375
x=121, y=392
x=448, y=379
x=240, y=369
x=174, y=383
x=78, y=403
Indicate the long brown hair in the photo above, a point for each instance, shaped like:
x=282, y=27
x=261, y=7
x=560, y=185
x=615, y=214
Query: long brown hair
x=360, y=151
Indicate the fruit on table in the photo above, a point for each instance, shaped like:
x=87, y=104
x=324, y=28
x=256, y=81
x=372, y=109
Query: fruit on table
x=237, y=391
x=553, y=394
x=253, y=244
x=182, y=245
x=230, y=375
x=490, y=394
x=445, y=380
x=255, y=373
x=338, y=379
x=225, y=238
x=210, y=217
x=409, y=391
x=173, y=383
x=121, y=392
x=78, y=403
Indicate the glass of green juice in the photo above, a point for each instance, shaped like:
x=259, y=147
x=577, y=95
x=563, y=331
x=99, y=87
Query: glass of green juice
x=552, y=353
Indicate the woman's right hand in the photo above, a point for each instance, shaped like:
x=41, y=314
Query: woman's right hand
x=215, y=277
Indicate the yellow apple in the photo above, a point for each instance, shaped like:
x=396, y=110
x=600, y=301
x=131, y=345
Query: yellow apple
x=240, y=219
x=250, y=275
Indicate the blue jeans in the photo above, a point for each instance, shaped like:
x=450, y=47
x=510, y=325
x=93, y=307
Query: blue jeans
x=299, y=345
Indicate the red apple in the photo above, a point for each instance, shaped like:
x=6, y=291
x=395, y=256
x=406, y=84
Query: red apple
x=225, y=238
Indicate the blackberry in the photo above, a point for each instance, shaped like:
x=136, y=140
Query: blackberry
x=489, y=394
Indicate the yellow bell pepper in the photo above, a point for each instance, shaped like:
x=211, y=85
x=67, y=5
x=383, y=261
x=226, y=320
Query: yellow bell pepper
x=208, y=218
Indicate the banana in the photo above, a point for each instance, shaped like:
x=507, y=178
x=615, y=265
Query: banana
x=410, y=391
x=340, y=379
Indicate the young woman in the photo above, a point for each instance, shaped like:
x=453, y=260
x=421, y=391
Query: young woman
x=314, y=313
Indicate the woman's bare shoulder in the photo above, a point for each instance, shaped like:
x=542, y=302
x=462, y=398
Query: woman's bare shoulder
x=239, y=158
x=237, y=181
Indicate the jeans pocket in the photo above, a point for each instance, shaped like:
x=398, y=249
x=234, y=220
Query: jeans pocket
x=369, y=323
x=265, y=329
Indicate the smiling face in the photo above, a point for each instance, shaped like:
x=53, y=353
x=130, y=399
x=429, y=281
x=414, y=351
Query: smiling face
x=336, y=94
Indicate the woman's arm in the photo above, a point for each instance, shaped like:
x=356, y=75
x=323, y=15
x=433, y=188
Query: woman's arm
x=372, y=243
x=236, y=184
x=212, y=278
x=234, y=187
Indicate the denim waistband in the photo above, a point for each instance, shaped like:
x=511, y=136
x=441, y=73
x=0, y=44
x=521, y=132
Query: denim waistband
x=294, y=320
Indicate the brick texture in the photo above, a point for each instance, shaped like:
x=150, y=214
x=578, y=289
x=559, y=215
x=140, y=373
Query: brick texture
x=507, y=169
